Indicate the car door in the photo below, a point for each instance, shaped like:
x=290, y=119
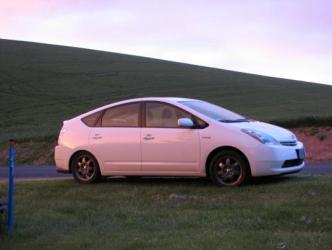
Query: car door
x=116, y=139
x=167, y=148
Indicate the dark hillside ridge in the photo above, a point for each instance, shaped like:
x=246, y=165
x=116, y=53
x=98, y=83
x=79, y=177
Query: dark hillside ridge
x=41, y=85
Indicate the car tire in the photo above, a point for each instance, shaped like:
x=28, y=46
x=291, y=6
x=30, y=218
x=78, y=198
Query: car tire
x=229, y=168
x=85, y=168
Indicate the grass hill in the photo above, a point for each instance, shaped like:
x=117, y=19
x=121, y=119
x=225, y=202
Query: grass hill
x=42, y=85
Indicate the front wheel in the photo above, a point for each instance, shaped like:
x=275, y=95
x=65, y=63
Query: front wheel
x=85, y=168
x=228, y=168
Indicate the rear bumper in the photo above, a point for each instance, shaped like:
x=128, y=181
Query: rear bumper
x=61, y=157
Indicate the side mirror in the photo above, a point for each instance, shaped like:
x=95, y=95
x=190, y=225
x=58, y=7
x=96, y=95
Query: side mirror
x=185, y=123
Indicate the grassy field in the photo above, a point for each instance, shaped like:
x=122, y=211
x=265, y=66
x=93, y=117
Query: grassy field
x=288, y=212
x=42, y=85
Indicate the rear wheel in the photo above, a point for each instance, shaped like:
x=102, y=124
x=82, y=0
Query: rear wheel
x=228, y=168
x=85, y=168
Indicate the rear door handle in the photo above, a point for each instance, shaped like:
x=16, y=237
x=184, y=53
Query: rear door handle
x=97, y=137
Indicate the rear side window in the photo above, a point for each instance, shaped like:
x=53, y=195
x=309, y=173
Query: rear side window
x=122, y=116
x=91, y=120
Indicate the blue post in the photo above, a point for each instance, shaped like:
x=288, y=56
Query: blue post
x=11, y=186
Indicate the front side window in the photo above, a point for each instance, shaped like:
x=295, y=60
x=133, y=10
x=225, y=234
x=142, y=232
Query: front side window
x=213, y=111
x=161, y=115
x=126, y=115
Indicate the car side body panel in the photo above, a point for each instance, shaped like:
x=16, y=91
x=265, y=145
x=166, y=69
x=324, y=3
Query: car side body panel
x=116, y=149
x=170, y=150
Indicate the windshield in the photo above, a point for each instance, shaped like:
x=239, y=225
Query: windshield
x=214, y=112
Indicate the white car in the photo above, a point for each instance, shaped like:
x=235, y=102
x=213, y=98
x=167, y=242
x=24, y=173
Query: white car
x=174, y=137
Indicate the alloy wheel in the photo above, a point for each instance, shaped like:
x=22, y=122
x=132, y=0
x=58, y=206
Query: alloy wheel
x=85, y=167
x=228, y=170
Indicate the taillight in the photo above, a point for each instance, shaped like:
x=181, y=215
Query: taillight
x=61, y=134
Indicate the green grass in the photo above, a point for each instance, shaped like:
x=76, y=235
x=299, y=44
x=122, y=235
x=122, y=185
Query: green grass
x=172, y=214
x=42, y=85
x=37, y=151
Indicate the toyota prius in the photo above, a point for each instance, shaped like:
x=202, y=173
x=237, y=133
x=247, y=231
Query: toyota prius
x=169, y=136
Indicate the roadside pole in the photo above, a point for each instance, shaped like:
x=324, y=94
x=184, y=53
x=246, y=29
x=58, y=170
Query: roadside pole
x=12, y=152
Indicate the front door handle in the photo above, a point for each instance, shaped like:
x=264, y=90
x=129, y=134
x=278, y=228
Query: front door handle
x=148, y=137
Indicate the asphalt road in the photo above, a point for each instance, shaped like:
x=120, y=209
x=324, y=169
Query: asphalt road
x=47, y=172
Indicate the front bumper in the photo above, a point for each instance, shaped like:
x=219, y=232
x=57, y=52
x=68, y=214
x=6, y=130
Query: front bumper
x=277, y=160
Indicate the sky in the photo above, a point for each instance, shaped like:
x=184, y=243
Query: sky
x=282, y=38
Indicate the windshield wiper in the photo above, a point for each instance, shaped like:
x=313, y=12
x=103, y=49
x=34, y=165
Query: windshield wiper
x=237, y=120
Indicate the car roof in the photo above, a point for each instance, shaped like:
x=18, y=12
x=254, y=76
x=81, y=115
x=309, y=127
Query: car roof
x=161, y=99
x=171, y=99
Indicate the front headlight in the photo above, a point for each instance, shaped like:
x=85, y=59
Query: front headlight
x=260, y=136
x=294, y=137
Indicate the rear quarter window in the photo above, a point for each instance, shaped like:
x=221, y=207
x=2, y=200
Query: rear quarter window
x=92, y=119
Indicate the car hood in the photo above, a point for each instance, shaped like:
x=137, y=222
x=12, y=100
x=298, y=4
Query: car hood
x=278, y=133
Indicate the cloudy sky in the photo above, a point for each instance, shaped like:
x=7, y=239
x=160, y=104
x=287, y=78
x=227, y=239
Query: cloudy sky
x=282, y=38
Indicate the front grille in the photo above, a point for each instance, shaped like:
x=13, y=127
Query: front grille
x=292, y=163
x=288, y=143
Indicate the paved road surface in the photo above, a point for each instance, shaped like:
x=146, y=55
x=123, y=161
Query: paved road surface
x=318, y=168
x=27, y=172
x=40, y=172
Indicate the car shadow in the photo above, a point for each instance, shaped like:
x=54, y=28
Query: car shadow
x=271, y=180
x=200, y=181
x=196, y=181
